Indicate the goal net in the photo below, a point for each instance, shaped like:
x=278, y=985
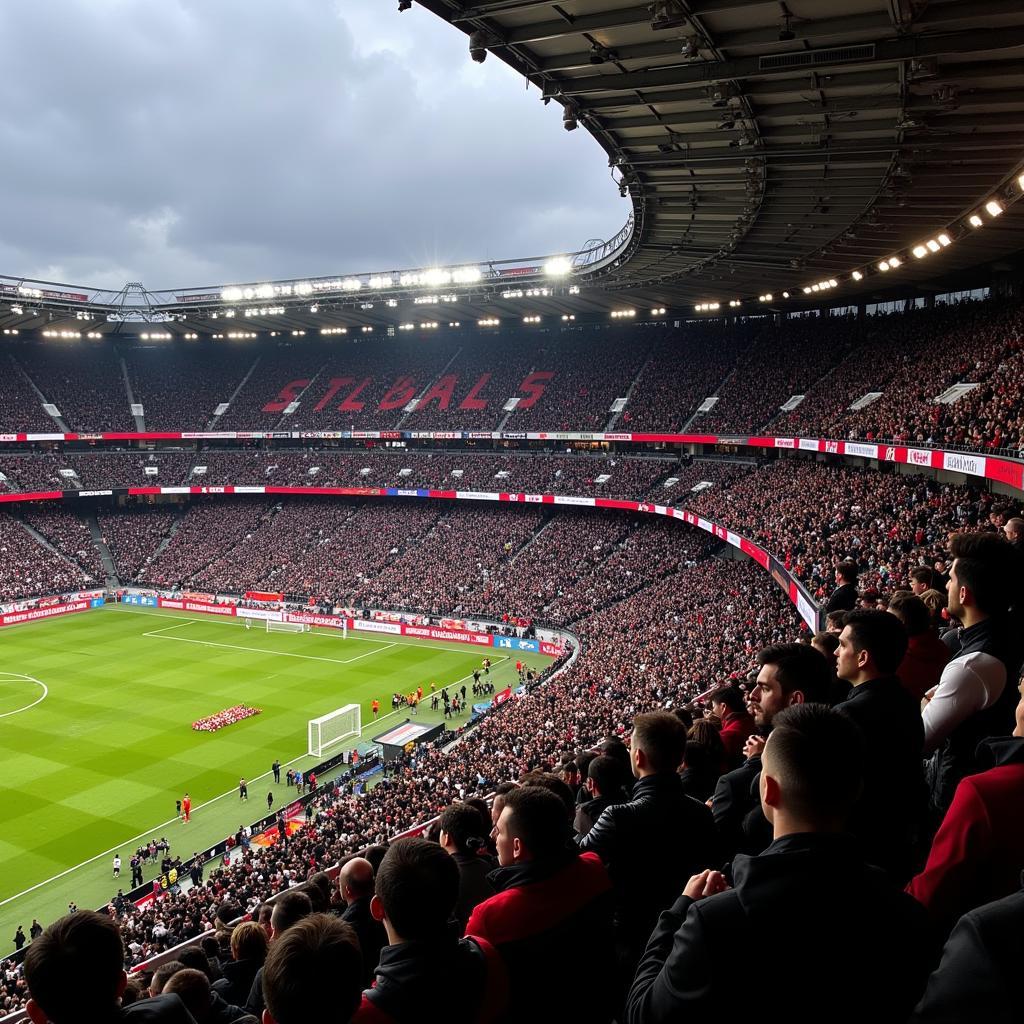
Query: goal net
x=330, y=730
x=286, y=627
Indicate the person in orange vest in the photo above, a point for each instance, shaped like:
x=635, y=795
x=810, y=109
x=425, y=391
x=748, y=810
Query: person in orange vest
x=419, y=694
x=375, y=708
x=186, y=807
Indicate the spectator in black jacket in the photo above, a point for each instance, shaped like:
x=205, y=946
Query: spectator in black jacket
x=313, y=973
x=288, y=909
x=830, y=931
x=979, y=976
x=192, y=987
x=356, y=887
x=75, y=972
x=655, y=842
x=248, y=951
x=844, y=597
x=889, y=816
x=464, y=837
x=789, y=674
x=604, y=787
x=426, y=968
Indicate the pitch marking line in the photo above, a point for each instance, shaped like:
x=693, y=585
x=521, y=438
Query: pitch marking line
x=213, y=800
x=161, y=635
x=28, y=679
x=364, y=639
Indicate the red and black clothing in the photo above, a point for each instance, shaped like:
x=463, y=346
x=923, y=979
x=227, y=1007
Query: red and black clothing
x=551, y=921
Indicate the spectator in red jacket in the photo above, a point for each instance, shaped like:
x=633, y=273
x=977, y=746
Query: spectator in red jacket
x=977, y=854
x=926, y=655
x=551, y=918
x=737, y=725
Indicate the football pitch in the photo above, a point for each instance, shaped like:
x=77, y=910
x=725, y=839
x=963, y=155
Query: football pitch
x=96, y=742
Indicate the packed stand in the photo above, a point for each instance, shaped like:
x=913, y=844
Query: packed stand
x=85, y=383
x=28, y=569
x=128, y=469
x=22, y=407
x=161, y=374
x=67, y=533
x=132, y=536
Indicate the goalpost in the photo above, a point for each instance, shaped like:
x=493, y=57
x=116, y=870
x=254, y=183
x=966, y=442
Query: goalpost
x=273, y=626
x=329, y=730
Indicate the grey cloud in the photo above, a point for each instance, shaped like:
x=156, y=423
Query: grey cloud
x=193, y=142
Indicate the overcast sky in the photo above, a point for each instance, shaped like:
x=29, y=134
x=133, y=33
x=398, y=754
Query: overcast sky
x=192, y=142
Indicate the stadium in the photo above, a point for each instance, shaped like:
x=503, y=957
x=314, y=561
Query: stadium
x=562, y=625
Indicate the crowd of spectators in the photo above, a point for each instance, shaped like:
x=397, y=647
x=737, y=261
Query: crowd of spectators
x=29, y=569
x=813, y=516
x=132, y=536
x=68, y=534
x=753, y=366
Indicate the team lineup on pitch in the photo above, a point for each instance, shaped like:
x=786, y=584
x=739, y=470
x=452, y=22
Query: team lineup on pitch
x=99, y=738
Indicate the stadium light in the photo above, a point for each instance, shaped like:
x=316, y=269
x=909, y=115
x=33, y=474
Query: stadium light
x=993, y=207
x=489, y=321
x=944, y=240
x=975, y=221
x=565, y=317
x=559, y=266
x=351, y=284
x=658, y=311
x=531, y=319
x=857, y=276
x=1020, y=182
x=920, y=251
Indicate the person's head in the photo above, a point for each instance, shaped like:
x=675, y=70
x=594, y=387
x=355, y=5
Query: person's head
x=501, y=791
x=788, y=674
x=163, y=974
x=1013, y=530
x=463, y=830
x=920, y=579
x=871, y=645
x=262, y=915
x=811, y=770
x=417, y=888
x=532, y=827
x=704, y=747
x=604, y=776
x=570, y=774
x=1019, y=728
x=314, y=972
x=553, y=784
x=195, y=959
x=835, y=621
x=355, y=880
x=935, y=602
x=249, y=942
x=583, y=763
x=75, y=970
x=192, y=987
x=289, y=908
x=912, y=612
x=826, y=644
x=658, y=743
x=726, y=700
x=375, y=855
x=846, y=572
x=982, y=573
x=614, y=747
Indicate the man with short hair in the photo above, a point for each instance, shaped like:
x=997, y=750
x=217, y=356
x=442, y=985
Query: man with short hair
x=192, y=987
x=788, y=674
x=603, y=787
x=926, y=655
x=1014, y=532
x=75, y=973
x=425, y=969
x=313, y=973
x=356, y=886
x=972, y=700
x=737, y=725
x=889, y=815
x=289, y=908
x=844, y=597
x=551, y=918
x=652, y=844
x=921, y=580
x=808, y=909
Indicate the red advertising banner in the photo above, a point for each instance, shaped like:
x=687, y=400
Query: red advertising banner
x=13, y=618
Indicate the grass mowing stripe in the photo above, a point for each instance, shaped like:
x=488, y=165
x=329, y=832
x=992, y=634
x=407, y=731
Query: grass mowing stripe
x=95, y=768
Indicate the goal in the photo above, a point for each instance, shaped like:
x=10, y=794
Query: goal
x=329, y=730
x=274, y=626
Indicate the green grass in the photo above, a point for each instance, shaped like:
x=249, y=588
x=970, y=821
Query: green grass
x=98, y=764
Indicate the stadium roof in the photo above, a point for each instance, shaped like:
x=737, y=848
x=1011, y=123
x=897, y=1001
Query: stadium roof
x=767, y=148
